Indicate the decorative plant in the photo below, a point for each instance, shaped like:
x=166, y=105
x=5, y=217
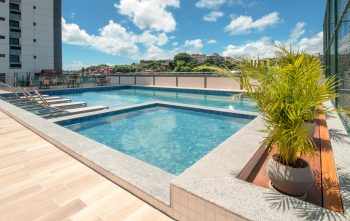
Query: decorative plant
x=288, y=94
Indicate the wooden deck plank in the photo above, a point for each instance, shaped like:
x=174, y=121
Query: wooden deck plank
x=330, y=183
x=40, y=182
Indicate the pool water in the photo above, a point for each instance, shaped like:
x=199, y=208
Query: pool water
x=168, y=138
x=124, y=97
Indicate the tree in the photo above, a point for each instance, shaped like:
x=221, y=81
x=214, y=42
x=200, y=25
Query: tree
x=182, y=57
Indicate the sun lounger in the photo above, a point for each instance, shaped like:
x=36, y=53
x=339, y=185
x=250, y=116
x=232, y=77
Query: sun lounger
x=69, y=111
x=53, y=101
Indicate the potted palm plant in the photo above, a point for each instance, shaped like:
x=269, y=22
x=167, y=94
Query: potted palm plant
x=289, y=94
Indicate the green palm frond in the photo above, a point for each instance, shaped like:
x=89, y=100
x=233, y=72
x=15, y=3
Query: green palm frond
x=288, y=95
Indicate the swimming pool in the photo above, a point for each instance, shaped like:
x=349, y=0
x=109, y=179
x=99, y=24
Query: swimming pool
x=171, y=139
x=136, y=95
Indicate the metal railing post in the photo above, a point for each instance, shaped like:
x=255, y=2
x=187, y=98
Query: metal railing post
x=177, y=80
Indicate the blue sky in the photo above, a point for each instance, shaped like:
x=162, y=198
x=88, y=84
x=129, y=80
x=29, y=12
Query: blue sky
x=125, y=31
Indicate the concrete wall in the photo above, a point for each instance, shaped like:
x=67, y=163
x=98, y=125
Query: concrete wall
x=195, y=82
x=222, y=83
x=127, y=80
x=170, y=81
x=144, y=80
x=166, y=81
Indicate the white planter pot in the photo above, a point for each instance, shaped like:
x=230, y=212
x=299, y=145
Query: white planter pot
x=291, y=181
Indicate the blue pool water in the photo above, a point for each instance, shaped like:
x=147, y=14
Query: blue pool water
x=124, y=97
x=168, y=138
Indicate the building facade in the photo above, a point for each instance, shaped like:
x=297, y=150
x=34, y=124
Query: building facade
x=30, y=38
x=337, y=50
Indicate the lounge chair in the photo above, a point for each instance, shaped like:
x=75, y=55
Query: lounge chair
x=68, y=111
x=50, y=101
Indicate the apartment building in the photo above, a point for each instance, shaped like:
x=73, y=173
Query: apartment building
x=30, y=38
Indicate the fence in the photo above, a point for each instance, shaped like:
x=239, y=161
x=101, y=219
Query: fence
x=336, y=32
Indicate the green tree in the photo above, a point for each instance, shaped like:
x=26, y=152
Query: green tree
x=182, y=57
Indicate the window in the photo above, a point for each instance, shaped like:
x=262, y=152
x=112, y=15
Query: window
x=15, y=30
x=2, y=19
x=14, y=41
x=14, y=24
x=34, y=56
x=2, y=37
x=15, y=47
x=2, y=55
x=34, y=40
x=15, y=65
x=15, y=12
x=34, y=23
x=34, y=7
x=2, y=75
x=2, y=1
x=14, y=58
x=14, y=6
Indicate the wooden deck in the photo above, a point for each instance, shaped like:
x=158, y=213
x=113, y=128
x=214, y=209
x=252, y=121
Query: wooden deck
x=40, y=182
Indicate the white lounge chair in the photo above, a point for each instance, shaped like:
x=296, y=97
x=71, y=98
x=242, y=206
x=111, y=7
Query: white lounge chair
x=69, y=111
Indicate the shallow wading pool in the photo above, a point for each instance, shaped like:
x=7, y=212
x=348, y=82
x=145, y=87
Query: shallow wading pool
x=169, y=138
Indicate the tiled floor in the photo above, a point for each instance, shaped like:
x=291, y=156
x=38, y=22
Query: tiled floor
x=40, y=182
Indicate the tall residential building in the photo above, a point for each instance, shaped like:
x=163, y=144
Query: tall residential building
x=336, y=31
x=30, y=37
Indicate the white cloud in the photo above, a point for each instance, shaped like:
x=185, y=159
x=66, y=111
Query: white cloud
x=75, y=65
x=298, y=31
x=193, y=46
x=245, y=24
x=263, y=47
x=113, y=39
x=150, y=14
x=313, y=44
x=175, y=44
x=211, y=4
x=154, y=52
x=149, y=39
x=213, y=16
x=72, y=34
x=211, y=41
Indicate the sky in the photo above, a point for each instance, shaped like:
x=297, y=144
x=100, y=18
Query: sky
x=126, y=31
